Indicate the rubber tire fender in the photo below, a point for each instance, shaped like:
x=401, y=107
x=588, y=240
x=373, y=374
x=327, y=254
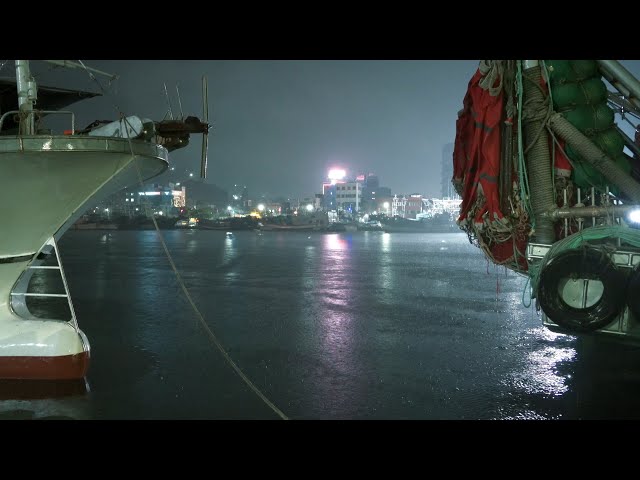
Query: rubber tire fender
x=589, y=263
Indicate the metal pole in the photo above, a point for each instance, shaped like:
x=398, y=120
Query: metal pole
x=631, y=145
x=70, y=64
x=623, y=101
x=566, y=220
x=591, y=211
x=27, y=95
x=579, y=218
x=594, y=156
x=621, y=74
x=593, y=204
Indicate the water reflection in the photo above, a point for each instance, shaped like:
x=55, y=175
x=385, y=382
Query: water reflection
x=386, y=242
x=384, y=274
x=308, y=276
x=541, y=374
x=44, y=400
x=328, y=327
x=336, y=326
x=545, y=373
x=191, y=242
x=229, y=256
x=335, y=242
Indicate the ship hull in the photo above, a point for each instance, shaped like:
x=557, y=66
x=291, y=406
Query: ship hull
x=48, y=183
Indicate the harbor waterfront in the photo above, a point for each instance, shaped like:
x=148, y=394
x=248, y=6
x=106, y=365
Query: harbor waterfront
x=349, y=325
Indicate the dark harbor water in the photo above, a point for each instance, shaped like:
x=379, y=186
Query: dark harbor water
x=360, y=325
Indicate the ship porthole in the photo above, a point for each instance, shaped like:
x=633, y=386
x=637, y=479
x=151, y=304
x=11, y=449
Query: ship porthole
x=581, y=290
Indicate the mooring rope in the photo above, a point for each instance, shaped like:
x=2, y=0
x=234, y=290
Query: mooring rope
x=204, y=324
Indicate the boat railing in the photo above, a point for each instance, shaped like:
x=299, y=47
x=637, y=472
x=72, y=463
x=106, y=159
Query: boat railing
x=20, y=291
x=18, y=113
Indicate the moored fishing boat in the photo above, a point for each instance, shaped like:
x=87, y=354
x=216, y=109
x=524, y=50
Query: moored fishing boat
x=55, y=178
x=548, y=189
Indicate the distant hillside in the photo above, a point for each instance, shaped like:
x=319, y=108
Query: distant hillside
x=199, y=192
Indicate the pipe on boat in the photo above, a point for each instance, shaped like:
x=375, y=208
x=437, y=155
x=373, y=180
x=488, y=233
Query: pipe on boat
x=538, y=157
x=594, y=156
x=591, y=211
x=619, y=76
x=631, y=145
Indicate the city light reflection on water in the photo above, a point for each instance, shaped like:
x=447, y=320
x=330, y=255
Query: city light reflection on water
x=335, y=288
x=545, y=373
x=334, y=241
x=540, y=374
x=384, y=274
x=331, y=286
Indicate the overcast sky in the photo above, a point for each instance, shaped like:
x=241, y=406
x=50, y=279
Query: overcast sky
x=278, y=126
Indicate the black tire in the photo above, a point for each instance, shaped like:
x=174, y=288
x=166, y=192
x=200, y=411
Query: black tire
x=589, y=263
x=633, y=293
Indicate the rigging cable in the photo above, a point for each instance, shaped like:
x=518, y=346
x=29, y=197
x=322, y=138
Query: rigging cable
x=547, y=80
x=210, y=332
x=522, y=169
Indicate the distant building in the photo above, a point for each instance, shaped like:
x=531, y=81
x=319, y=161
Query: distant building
x=162, y=199
x=383, y=205
x=152, y=199
x=372, y=192
x=272, y=208
x=353, y=195
x=239, y=200
x=201, y=194
x=348, y=197
x=407, y=206
x=329, y=196
x=307, y=204
x=245, y=202
x=446, y=186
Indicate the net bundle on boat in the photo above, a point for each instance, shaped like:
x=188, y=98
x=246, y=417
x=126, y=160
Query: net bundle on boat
x=493, y=159
x=492, y=210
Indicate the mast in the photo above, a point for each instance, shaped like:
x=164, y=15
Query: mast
x=27, y=96
x=81, y=66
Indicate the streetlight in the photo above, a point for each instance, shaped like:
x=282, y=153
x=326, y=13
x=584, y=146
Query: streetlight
x=386, y=207
x=261, y=207
x=309, y=207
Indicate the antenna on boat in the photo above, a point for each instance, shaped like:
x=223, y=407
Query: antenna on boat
x=205, y=135
x=82, y=66
x=175, y=133
x=179, y=102
x=168, y=101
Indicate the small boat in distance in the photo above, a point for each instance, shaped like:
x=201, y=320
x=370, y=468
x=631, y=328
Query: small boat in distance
x=187, y=223
x=422, y=225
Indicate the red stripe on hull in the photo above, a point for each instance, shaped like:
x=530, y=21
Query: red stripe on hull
x=21, y=389
x=63, y=367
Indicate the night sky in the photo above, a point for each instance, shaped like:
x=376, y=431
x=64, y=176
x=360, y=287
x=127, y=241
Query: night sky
x=279, y=125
